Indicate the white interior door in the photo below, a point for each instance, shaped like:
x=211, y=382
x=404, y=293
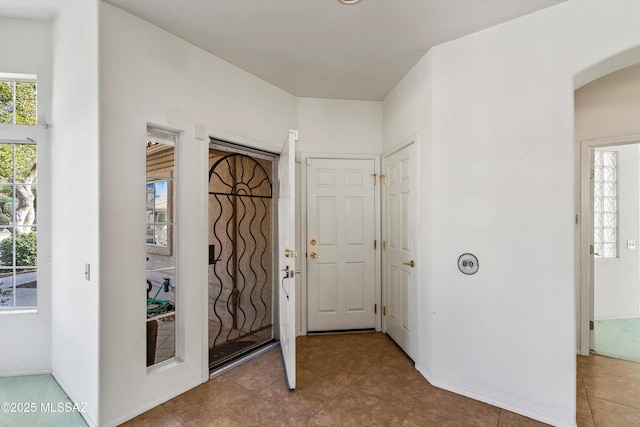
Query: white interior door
x=340, y=244
x=286, y=257
x=399, y=243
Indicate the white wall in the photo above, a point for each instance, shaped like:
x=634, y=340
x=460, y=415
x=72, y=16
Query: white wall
x=605, y=108
x=339, y=126
x=500, y=141
x=148, y=75
x=25, y=338
x=75, y=214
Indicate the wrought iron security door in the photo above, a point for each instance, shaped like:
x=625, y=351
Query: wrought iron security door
x=240, y=254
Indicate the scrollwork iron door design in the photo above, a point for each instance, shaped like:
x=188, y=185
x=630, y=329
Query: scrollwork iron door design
x=240, y=254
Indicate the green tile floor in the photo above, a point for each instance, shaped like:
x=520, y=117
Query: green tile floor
x=36, y=401
x=618, y=338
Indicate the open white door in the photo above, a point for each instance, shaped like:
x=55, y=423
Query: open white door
x=400, y=248
x=286, y=256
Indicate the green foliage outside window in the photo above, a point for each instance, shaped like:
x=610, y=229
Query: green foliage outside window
x=25, y=159
x=26, y=250
x=23, y=109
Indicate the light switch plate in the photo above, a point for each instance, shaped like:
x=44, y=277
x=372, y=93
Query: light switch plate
x=631, y=244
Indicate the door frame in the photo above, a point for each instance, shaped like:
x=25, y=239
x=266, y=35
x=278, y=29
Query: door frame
x=302, y=301
x=417, y=317
x=236, y=144
x=585, y=233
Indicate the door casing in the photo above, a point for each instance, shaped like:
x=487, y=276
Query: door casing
x=585, y=238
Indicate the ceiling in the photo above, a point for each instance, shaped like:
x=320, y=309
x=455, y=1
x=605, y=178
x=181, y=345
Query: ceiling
x=322, y=48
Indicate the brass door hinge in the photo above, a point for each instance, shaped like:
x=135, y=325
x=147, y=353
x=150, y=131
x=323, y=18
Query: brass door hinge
x=591, y=325
x=375, y=308
x=383, y=179
x=375, y=179
x=384, y=310
x=384, y=244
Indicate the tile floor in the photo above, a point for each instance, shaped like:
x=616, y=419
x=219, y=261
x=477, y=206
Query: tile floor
x=37, y=400
x=366, y=380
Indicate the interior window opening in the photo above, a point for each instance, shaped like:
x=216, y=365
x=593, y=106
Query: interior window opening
x=161, y=281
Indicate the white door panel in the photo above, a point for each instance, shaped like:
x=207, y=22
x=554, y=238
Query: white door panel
x=399, y=229
x=286, y=257
x=340, y=250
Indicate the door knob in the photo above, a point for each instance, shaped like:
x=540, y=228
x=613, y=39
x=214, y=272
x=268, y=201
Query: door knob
x=314, y=255
x=410, y=263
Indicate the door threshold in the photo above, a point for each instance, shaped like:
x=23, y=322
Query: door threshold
x=342, y=331
x=217, y=370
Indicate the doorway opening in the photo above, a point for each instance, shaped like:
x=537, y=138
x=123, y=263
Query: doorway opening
x=241, y=252
x=611, y=205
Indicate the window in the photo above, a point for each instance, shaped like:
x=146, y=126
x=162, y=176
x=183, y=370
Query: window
x=161, y=260
x=157, y=214
x=18, y=220
x=18, y=99
x=605, y=209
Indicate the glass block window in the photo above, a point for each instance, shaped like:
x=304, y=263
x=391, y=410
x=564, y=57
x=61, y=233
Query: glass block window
x=605, y=209
x=18, y=99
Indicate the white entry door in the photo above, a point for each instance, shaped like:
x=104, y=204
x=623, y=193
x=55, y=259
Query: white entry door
x=399, y=243
x=340, y=244
x=286, y=257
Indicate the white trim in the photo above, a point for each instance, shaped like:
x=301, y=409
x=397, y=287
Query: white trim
x=402, y=144
x=204, y=262
x=16, y=77
x=223, y=135
x=25, y=373
x=303, y=238
x=586, y=231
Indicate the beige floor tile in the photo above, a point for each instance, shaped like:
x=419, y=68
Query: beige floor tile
x=391, y=382
x=625, y=391
x=584, y=418
x=258, y=373
x=509, y=419
x=313, y=392
x=442, y=408
x=595, y=364
x=338, y=365
x=610, y=414
x=203, y=404
x=366, y=380
x=356, y=407
x=257, y=412
x=156, y=417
